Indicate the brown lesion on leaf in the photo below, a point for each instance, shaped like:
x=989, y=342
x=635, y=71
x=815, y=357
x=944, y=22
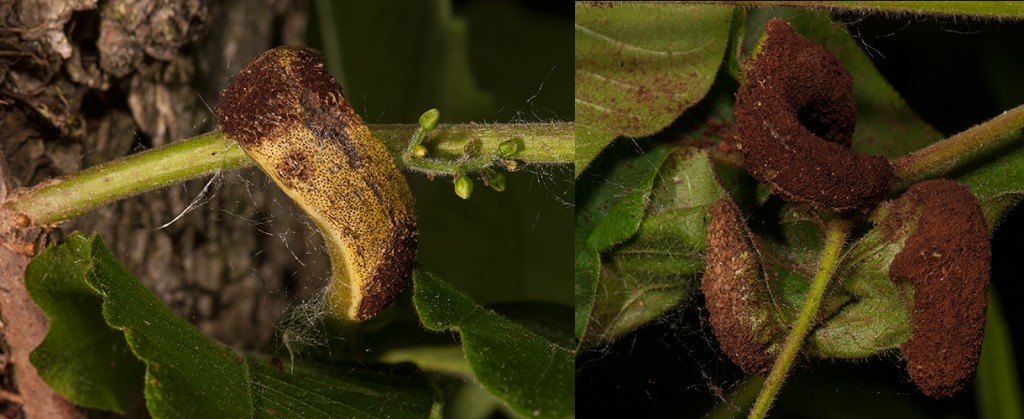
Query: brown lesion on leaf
x=281, y=88
x=795, y=118
x=948, y=260
x=294, y=167
x=389, y=279
x=259, y=100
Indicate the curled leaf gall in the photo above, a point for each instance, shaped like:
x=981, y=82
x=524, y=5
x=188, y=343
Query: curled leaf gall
x=290, y=117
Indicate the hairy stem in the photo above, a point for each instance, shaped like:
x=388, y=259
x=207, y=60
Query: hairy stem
x=835, y=238
x=68, y=197
x=948, y=8
x=546, y=143
x=62, y=199
x=946, y=155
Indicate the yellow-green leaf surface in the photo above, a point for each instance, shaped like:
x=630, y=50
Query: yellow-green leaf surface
x=639, y=66
x=531, y=374
x=188, y=375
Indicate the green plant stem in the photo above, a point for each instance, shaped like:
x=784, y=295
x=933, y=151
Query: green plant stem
x=941, y=157
x=68, y=197
x=71, y=196
x=545, y=143
x=835, y=239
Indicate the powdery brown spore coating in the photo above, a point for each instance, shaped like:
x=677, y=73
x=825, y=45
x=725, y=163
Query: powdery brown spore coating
x=795, y=118
x=404, y=241
x=947, y=260
x=290, y=116
x=732, y=295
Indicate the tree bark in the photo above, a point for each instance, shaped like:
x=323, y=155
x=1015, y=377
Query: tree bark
x=83, y=82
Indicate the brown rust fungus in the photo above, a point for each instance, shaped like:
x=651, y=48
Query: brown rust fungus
x=290, y=116
x=947, y=260
x=737, y=300
x=795, y=118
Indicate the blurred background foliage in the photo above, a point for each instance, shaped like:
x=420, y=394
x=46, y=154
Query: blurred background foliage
x=955, y=73
x=477, y=61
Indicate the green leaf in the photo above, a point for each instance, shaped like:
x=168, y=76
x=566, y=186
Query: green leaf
x=645, y=276
x=544, y=319
x=998, y=389
x=864, y=313
x=588, y=272
x=609, y=208
x=186, y=373
x=654, y=271
x=877, y=316
x=802, y=232
x=590, y=140
x=737, y=31
x=531, y=374
x=189, y=375
x=82, y=358
x=885, y=124
x=789, y=239
x=639, y=66
x=347, y=391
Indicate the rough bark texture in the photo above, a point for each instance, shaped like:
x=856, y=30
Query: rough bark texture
x=83, y=82
x=24, y=327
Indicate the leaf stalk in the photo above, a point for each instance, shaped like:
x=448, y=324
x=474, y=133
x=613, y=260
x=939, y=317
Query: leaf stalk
x=944, y=156
x=835, y=238
x=68, y=197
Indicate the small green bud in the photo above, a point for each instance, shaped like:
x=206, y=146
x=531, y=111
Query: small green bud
x=419, y=151
x=472, y=148
x=496, y=181
x=428, y=121
x=463, y=186
x=509, y=148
